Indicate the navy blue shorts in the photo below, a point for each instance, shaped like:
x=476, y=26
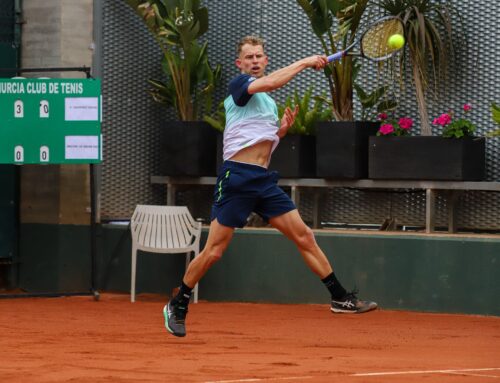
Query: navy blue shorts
x=244, y=188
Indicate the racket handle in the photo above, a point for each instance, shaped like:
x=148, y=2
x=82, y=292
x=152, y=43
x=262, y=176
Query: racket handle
x=336, y=56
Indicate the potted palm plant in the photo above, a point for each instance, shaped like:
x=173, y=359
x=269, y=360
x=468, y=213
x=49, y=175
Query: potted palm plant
x=457, y=155
x=341, y=146
x=429, y=46
x=176, y=25
x=217, y=120
x=295, y=156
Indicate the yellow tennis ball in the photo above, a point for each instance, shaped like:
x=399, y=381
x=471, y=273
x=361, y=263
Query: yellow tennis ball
x=396, y=41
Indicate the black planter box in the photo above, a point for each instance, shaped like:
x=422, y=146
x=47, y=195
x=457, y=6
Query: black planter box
x=342, y=148
x=189, y=149
x=427, y=158
x=295, y=157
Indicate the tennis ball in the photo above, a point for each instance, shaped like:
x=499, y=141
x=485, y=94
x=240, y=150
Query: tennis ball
x=396, y=41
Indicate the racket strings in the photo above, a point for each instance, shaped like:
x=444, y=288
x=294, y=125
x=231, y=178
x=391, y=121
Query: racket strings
x=374, y=41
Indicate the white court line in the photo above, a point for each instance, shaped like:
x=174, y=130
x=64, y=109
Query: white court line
x=426, y=372
x=260, y=379
x=456, y=372
x=469, y=374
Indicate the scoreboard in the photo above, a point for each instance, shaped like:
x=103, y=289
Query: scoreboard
x=50, y=121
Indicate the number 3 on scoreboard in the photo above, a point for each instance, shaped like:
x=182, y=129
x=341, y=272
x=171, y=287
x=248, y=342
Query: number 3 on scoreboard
x=18, y=109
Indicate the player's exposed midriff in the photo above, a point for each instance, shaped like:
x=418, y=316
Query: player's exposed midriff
x=257, y=154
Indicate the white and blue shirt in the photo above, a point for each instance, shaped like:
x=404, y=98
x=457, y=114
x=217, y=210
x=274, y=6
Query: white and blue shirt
x=250, y=118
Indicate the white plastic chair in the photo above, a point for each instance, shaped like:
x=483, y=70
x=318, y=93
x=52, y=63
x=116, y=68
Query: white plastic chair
x=163, y=229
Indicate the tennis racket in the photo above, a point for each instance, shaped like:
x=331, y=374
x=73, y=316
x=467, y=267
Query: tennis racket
x=373, y=43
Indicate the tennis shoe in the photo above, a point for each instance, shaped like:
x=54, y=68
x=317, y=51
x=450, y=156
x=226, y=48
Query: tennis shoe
x=175, y=318
x=351, y=304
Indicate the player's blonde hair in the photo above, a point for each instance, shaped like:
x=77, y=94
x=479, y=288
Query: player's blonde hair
x=252, y=40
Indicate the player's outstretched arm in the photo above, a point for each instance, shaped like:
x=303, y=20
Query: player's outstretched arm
x=282, y=76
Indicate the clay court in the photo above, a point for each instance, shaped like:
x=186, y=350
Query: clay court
x=77, y=339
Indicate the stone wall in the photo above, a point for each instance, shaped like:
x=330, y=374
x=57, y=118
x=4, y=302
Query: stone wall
x=56, y=34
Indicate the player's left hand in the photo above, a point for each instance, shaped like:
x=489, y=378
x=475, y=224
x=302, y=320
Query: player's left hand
x=287, y=120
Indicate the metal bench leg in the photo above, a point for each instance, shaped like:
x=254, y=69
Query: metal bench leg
x=430, y=204
x=171, y=194
x=133, y=273
x=453, y=197
x=316, y=209
x=195, y=292
x=195, y=288
x=295, y=195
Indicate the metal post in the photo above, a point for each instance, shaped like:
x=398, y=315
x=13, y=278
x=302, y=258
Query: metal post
x=430, y=202
x=316, y=209
x=295, y=195
x=93, y=236
x=171, y=189
x=452, y=198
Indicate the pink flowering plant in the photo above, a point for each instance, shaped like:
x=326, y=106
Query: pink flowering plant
x=393, y=126
x=456, y=128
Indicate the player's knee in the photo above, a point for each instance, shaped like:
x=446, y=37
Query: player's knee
x=306, y=238
x=214, y=254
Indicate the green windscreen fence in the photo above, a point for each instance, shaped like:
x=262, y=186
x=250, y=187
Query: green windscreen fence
x=50, y=121
x=8, y=211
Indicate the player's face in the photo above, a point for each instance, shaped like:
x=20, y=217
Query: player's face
x=252, y=60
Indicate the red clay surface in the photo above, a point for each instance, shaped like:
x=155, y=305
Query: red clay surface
x=79, y=340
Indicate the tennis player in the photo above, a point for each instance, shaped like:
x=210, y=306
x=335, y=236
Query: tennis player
x=245, y=185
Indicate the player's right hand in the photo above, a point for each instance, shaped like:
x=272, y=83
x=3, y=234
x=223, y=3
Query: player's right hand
x=316, y=61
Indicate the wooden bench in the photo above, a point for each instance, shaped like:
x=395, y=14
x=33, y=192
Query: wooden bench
x=453, y=188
